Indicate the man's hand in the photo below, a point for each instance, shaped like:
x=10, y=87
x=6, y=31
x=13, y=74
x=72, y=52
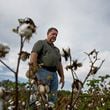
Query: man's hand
x=32, y=70
x=62, y=82
x=61, y=74
x=30, y=75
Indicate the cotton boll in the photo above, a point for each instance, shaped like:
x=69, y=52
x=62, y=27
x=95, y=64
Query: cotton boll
x=11, y=107
x=2, y=91
x=30, y=74
x=32, y=81
x=65, y=53
x=4, y=49
x=23, y=103
x=47, y=89
x=41, y=89
x=12, y=102
x=27, y=86
x=32, y=97
x=37, y=103
x=77, y=85
x=25, y=30
x=24, y=55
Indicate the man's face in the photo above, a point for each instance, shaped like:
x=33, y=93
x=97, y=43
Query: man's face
x=52, y=35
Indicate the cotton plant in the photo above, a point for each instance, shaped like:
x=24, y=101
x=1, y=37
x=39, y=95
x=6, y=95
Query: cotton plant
x=73, y=65
x=39, y=94
x=25, y=30
x=94, y=67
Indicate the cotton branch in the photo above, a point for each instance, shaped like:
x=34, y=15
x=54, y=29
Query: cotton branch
x=7, y=66
x=93, y=70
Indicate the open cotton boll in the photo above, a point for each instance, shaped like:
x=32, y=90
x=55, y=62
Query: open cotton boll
x=4, y=49
x=25, y=30
x=47, y=89
x=32, y=81
x=41, y=89
x=2, y=91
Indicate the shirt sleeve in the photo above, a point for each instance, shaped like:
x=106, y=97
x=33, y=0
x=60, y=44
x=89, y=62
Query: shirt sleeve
x=59, y=54
x=37, y=48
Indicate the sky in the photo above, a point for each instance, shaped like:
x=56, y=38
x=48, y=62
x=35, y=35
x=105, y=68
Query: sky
x=83, y=25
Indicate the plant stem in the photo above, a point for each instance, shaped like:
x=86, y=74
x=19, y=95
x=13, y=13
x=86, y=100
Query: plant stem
x=16, y=75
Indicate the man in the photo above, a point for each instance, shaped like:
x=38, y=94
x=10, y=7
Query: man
x=46, y=53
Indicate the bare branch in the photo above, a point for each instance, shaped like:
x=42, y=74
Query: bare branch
x=7, y=66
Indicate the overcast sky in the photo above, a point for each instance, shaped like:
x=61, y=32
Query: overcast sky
x=83, y=25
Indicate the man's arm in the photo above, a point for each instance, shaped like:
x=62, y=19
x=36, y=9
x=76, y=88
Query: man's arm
x=33, y=62
x=61, y=74
x=33, y=58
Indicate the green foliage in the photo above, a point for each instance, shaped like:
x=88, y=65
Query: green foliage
x=95, y=98
x=93, y=83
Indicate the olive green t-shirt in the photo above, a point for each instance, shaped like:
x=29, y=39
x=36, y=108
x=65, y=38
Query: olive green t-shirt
x=48, y=54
